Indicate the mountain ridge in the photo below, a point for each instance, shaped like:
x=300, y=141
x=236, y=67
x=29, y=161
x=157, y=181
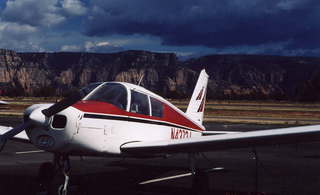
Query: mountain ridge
x=256, y=77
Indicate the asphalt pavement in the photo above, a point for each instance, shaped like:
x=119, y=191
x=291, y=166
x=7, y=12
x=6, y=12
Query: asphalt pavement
x=287, y=169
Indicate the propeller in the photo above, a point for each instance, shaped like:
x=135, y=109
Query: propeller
x=40, y=116
x=15, y=130
x=64, y=103
x=9, y=134
x=69, y=101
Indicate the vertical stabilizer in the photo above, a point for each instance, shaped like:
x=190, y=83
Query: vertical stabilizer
x=196, y=105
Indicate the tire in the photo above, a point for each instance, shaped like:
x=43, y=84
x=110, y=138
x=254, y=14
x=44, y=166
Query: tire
x=56, y=185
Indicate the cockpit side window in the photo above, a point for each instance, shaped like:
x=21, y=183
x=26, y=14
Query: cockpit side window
x=156, y=107
x=139, y=103
x=112, y=93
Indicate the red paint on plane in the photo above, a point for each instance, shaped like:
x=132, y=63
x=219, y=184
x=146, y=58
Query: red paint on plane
x=169, y=114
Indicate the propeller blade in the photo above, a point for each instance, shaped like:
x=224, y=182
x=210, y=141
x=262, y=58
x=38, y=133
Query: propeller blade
x=69, y=101
x=64, y=103
x=11, y=133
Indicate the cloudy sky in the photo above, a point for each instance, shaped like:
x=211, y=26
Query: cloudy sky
x=186, y=27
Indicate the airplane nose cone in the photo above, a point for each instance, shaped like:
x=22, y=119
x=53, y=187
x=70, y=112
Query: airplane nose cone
x=38, y=118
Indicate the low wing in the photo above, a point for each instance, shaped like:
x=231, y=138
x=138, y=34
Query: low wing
x=226, y=141
x=3, y=102
x=21, y=137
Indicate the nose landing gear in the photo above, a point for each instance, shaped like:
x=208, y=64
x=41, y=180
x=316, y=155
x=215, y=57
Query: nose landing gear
x=54, y=177
x=63, y=164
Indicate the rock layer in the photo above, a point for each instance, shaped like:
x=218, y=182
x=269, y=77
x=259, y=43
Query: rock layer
x=231, y=76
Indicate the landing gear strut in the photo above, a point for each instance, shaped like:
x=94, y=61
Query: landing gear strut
x=54, y=177
x=200, y=180
x=256, y=181
x=62, y=162
x=192, y=160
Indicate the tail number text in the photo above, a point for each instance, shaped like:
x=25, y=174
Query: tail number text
x=177, y=133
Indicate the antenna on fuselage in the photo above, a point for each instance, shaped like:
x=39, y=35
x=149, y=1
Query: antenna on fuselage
x=140, y=80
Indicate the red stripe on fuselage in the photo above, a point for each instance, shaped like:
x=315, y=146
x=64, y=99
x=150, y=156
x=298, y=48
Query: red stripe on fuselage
x=169, y=114
x=172, y=116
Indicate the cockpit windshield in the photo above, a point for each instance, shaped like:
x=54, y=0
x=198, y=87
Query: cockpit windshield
x=87, y=89
x=112, y=93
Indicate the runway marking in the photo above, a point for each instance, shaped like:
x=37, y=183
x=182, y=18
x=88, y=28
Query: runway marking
x=176, y=176
x=30, y=152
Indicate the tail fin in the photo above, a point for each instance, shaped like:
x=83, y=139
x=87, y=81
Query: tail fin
x=198, y=99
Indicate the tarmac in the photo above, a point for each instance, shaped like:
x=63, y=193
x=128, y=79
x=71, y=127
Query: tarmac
x=286, y=169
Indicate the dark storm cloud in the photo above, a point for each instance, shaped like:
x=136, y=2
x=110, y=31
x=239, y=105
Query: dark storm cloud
x=210, y=23
x=42, y=13
x=33, y=12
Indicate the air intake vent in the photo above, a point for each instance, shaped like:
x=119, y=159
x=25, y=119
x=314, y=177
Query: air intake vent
x=59, y=121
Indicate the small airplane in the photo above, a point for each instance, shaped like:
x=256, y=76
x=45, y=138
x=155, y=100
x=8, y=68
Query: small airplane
x=3, y=102
x=123, y=119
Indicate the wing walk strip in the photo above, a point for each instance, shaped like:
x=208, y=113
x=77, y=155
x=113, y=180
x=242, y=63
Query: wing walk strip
x=138, y=120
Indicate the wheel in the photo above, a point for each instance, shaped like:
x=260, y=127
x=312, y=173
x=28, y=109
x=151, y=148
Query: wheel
x=56, y=185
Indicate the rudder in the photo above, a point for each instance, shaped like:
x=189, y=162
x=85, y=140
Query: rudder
x=197, y=102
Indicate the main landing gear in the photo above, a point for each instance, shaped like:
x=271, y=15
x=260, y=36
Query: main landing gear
x=54, y=177
x=200, y=178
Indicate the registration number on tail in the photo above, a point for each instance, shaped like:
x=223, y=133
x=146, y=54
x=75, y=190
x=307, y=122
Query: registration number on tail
x=177, y=133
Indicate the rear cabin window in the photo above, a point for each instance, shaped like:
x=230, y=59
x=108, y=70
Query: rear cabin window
x=156, y=107
x=139, y=103
x=112, y=93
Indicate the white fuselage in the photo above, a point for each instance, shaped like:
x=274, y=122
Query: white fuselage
x=98, y=136
x=89, y=131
